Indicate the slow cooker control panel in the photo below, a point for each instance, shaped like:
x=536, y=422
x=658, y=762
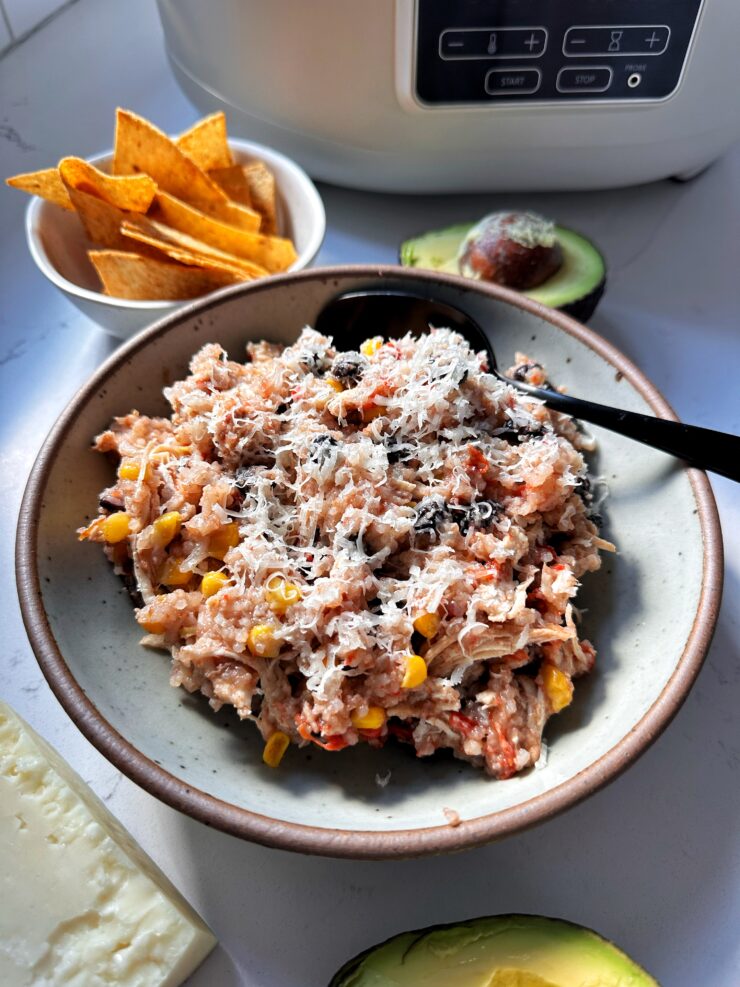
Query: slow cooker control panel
x=494, y=51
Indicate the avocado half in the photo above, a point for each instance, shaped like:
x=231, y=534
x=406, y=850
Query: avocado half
x=498, y=951
x=574, y=289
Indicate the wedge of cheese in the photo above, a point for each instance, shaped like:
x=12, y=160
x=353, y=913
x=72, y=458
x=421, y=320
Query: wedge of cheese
x=80, y=903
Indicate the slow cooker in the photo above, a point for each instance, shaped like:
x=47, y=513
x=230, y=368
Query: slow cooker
x=469, y=95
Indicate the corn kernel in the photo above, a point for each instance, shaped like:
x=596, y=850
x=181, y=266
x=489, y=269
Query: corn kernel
x=334, y=384
x=416, y=672
x=224, y=539
x=262, y=642
x=116, y=527
x=212, y=582
x=372, y=720
x=371, y=346
x=427, y=624
x=128, y=470
x=558, y=687
x=166, y=528
x=280, y=594
x=173, y=575
x=190, y=631
x=275, y=748
x=152, y=626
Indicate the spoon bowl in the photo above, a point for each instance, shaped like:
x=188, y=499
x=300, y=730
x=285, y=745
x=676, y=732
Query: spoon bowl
x=356, y=315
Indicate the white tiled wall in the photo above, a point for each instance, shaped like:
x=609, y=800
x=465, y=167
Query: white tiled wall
x=18, y=17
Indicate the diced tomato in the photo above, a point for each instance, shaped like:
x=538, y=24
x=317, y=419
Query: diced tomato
x=303, y=730
x=536, y=601
x=488, y=572
x=559, y=567
x=477, y=462
x=463, y=724
x=371, y=734
x=336, y=742
x=507, y=757
x=382, y=389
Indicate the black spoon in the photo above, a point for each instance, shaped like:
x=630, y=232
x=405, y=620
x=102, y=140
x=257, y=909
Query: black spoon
x=355, y=315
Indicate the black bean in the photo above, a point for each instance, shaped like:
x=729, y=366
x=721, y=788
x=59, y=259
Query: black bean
x=396, y=451
x=129, y=581
x=526, y=433
x=349, y=367
x=584, y=489
x=480, y=514
x=313, y=361
x=111, y=503
x=321, y=447
x=431, y=512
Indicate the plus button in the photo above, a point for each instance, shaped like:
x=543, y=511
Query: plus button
x=652, y=40
x=532, y=42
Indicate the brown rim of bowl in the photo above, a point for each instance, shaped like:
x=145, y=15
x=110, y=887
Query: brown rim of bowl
x=360, y=844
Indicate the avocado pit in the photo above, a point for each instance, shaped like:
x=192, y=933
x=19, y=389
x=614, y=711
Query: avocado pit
x=514, y=249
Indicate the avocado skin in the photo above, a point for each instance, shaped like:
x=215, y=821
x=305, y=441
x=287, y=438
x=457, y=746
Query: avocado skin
x=580, y=308
x=583, y=308
x=345, y=975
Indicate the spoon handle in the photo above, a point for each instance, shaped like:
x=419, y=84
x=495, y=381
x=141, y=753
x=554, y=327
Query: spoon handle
x=700, y=447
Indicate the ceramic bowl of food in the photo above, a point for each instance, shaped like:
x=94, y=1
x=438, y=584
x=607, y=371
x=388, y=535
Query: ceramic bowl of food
x=649, y=611
x=59, y=245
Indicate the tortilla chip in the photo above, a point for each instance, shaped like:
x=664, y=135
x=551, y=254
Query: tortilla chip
x=234, y=183
x=237, y=215
x=186, y=249
x=127, y=275
x=222, y=236
x=133, y=193
x=271, y=253
x=142, y=147
x=46, y=183
x=261, y=182
x=101, y=220
x=207, y=143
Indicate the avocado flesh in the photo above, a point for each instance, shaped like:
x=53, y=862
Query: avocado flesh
x=502, y=951
x=575, y=288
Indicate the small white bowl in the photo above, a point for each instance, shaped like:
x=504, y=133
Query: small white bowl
x=59, y=246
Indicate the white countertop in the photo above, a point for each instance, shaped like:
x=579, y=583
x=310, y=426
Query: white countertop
x=653, y=861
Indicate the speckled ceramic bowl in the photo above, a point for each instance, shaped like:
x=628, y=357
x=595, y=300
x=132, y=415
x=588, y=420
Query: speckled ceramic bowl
x=650, y=611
